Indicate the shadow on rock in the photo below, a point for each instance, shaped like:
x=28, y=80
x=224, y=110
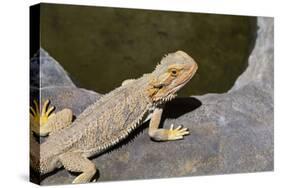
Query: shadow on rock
x=180, y=106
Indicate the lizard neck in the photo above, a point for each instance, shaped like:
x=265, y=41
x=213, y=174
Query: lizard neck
x=148, y=89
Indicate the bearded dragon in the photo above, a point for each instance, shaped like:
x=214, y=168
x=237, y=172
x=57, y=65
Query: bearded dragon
x=110, y=120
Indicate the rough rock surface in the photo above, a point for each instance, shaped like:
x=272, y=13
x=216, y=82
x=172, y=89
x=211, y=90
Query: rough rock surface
x=230, y=132
x=49, y=70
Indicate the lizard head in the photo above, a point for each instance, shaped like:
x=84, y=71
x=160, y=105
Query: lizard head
x=173, y=72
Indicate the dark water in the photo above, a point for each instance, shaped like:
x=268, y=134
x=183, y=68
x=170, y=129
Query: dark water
x=101, y=47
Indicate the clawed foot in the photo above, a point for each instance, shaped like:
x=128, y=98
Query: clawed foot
x=39, y=120
x=177, y=133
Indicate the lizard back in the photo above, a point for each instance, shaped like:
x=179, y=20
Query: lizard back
x=104, y=123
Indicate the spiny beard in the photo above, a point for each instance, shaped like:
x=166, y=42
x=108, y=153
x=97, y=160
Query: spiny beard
x=166, y=99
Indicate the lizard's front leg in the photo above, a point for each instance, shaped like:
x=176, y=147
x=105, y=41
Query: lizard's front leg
x=164, y=134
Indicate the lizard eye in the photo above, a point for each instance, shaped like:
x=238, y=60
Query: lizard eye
x=174, y=72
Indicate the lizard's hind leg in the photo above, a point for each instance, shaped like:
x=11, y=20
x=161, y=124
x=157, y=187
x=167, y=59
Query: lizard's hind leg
x=75, y=162
x=46, y=122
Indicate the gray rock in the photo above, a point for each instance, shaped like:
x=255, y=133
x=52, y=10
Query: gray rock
x=48, y=71
x=260, y=70
x=230, y=132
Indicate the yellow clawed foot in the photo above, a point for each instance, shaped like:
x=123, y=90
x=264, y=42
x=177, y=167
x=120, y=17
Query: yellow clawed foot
x=38, y=120
x=177, y=133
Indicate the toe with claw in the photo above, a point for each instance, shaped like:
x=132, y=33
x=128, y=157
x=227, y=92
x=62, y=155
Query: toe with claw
x=38, y=119
x=177, y=133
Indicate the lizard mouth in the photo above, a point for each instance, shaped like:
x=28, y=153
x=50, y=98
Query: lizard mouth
x=190, y=74
x=171, y=93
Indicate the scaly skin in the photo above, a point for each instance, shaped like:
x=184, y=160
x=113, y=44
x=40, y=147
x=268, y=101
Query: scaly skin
x=111, y=119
